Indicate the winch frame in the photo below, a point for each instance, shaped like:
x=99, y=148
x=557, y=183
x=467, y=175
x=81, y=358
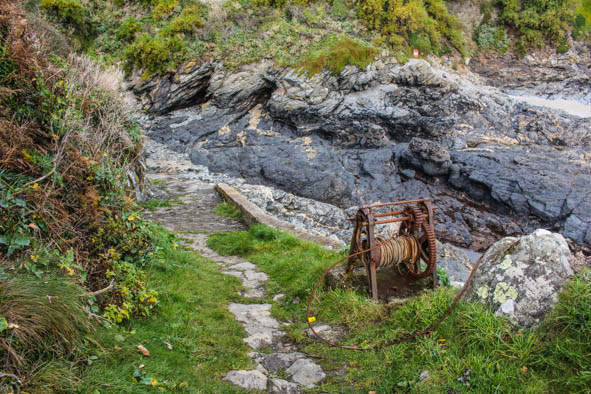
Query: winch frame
x=414, y=243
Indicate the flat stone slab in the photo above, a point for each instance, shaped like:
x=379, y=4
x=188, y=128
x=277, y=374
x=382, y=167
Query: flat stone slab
x=306, y=372
x=244, y=266
x=256, y=276
x=237, y=274
x=258, y=324
x=250, y=380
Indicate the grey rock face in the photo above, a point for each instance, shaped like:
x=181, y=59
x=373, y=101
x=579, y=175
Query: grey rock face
x=394, y=132
x=427, y=156
x=520, y=278
x=250, y=380
x=185, y=88
x=306, y=372
x=552, y=76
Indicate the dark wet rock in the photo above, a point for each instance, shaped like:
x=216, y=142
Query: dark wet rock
x=456, y=263
x=394, y=132
x=185, y=88
x=547, y=75
x=427, y=156
x=520, y=278
x=276, y=361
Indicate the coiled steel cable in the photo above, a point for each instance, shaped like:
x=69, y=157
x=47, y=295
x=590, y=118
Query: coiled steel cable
x=397, y=249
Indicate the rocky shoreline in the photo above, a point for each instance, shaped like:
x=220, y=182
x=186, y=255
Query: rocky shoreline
x=495, y=166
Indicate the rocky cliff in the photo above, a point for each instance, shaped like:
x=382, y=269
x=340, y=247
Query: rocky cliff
x=544, y=74
x=389, y=132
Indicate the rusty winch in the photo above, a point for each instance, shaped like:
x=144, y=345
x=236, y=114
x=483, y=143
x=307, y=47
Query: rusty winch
x=411, y=249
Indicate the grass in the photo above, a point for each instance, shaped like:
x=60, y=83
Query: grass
x=338, y=54
x=229, y=210
x=205, y=338
x=484, y=350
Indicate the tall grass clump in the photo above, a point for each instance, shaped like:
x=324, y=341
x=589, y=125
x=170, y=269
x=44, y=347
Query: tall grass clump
x=337, y=55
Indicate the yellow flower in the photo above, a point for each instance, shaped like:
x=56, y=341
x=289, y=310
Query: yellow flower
x=35, y=258
x=27, y=155
x=70, y=271
x=35, y=186
x=154, y=382
x=152, y=299
x=131, y=218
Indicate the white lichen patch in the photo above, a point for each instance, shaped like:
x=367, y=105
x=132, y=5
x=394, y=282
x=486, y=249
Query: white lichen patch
x=516, y=270
x=506, y=263
x=504, y=292
x=482, y=292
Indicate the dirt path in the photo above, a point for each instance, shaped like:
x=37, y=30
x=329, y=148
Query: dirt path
x=193, y=218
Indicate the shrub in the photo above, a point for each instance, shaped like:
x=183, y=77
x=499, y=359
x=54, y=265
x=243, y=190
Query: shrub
x=39, y=317
x=338, y=55
x=128, y=29
x=153, y=54
x=538, y=21
x=187, y=22
x=339, y=8
x=163, y=8
x=428, y=21
x=67, y=11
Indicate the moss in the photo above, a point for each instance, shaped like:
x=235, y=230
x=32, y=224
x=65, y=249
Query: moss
x=338, y=55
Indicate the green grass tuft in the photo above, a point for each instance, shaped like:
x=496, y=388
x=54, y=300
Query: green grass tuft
x=337, y=55
x=229, y=210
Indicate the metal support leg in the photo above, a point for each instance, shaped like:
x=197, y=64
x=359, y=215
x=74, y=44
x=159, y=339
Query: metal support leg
x=435, y=278
x=374, y=281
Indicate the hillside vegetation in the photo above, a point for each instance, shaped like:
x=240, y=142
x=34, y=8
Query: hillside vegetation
x=154, y=36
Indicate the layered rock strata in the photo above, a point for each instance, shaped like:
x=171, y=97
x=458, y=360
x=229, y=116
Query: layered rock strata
x=495, y=167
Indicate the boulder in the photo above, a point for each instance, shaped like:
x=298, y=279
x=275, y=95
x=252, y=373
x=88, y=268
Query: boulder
x=520, y=277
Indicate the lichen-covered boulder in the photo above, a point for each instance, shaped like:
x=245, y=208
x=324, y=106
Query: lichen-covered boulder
x=520, y=278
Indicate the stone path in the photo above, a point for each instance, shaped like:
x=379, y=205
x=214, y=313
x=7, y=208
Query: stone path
x=194, y=219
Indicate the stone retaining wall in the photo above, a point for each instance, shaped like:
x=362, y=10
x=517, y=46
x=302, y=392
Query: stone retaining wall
x=254, y=215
